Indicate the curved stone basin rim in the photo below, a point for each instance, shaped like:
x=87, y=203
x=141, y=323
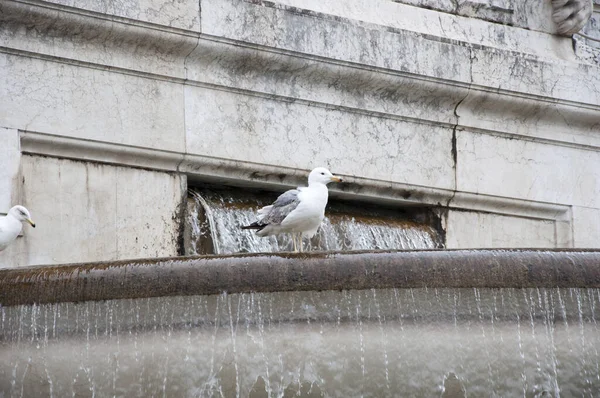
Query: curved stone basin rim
x=313, y=271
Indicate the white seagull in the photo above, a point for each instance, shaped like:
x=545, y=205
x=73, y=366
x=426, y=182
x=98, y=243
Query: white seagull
x=10, y=225
x=297, y=211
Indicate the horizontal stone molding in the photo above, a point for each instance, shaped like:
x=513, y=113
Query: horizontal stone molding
x=397, y=95
x=228, y=62
x=440, y=26
x=300, y=272
x=101, y=10
x=95, y=38
x=238, y=173
x=406, y=48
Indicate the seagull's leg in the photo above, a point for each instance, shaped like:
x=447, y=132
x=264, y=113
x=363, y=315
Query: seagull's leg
x=294, y=241
x=301, y=243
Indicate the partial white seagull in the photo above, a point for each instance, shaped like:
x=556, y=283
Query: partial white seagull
x=10, y=225
x=297, y=211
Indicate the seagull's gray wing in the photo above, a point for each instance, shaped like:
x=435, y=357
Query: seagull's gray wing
x=284, y=205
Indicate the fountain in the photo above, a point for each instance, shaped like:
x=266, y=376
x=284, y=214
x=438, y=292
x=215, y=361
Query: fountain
x=337, y=321
x=111, y=110
x=215, y=215
x=373, y=323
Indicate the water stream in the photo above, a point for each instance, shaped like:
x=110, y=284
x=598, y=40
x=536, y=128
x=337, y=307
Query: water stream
x=214, y=221
x=370, y=343
x=420, y=342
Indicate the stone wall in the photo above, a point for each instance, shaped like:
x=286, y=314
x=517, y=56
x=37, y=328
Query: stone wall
x=109, y=109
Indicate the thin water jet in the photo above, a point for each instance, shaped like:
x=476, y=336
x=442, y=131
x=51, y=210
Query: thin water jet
x=180, y=346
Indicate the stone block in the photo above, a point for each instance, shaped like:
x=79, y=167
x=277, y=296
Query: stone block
x=77, y=35
x=534, y=15
x=95, y=212
x=373, y=32
x=317, y=30
x=470, y=230
x=538, y=76
x=181, y=14
x=529, y=118
x=287, y=77
x=586, y=227
x=90, y=103
x=303, y=135
x=526, y=169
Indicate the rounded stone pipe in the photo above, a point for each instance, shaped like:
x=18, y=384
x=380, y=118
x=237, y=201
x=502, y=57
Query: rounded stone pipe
x=304, y=271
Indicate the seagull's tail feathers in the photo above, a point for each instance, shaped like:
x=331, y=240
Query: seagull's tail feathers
x=255, y=225
x=261, y=214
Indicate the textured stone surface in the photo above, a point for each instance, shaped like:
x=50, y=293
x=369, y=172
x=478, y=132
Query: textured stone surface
x=89, y=211
x=536, y=77
x=528, y=169
x=592, y=28
x=95, y=41
x=182, y=14
x=586, y=227
x=533, y=15
x=88, y=103
x=587, y=47
x=300, y=135
x=568, y=16
x=473, y=230
x=572, y=15
x=530, y=118
x=312, y=27
x=9, y=168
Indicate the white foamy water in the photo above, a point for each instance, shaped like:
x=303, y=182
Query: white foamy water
x=370, y=343
x=223, y=218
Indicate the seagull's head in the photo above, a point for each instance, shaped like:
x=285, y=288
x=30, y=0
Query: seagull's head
x=21, y=214
x=323, y=176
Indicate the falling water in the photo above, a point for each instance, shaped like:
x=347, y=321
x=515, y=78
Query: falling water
x=214, y=221
x=374, y=343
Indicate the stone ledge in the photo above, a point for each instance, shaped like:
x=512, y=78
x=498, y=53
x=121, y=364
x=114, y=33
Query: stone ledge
x=429, y=91
x=524, y=14
x=300, y=272
x=400, y=17
x=129, y=32
x=403, y=50
x=94, y=38
x=385, y=94
x=238, y=173
x=155, y=13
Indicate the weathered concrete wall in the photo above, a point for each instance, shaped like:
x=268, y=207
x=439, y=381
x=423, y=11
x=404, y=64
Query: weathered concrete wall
x=496, y=123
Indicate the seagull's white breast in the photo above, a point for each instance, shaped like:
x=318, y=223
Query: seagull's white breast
x=10, y=228
x=309, y=214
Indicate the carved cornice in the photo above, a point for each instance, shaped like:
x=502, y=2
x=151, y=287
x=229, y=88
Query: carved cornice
x=154, y=51
x=240, y=173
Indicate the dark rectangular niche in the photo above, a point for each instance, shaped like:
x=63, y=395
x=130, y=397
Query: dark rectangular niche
x=215, y=214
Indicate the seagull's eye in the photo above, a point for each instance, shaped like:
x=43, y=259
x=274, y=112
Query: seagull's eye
x=322, y=174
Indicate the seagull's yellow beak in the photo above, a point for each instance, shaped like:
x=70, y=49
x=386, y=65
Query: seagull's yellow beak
x=336, y=179
x=30, y=221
